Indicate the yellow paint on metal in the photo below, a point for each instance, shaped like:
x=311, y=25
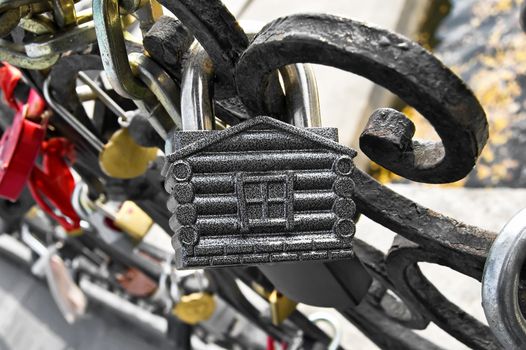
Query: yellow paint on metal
x=494, y=76
x=281, y=307
x=133, y=220
x=194, y=308
x=122, y=158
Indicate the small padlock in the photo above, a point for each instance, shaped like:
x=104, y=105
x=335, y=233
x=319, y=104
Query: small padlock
x=281, y=307
x=129, y=218
x=198, y=304
x=195, y=307
x=123, y=158
x=262, y=191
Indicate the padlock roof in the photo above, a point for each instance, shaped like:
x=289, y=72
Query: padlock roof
x=258, y=123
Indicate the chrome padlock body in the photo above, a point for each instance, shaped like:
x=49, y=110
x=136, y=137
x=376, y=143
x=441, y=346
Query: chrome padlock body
x=260, y=192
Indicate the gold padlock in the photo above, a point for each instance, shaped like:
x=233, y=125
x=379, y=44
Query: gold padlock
x=133, y=220
x=281, y=307
x=194, y=308
x=129, y=218
x=122, y=158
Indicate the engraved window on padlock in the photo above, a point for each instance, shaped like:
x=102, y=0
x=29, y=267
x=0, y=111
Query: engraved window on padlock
x=266, y=200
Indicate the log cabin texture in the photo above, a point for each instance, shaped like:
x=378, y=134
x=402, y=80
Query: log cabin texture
x=260, y=192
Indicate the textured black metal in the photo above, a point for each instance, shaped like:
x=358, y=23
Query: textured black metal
x=229, y=188
x=257, y=193
x=167, y=42
x=440, y=240
x=217, y=31
x=392, y=61
x=63, y=80
x=143, y=133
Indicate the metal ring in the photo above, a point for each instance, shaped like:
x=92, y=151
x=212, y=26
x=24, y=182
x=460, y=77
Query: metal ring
x=323, y=316
x=70, y=118
x=303, y=102
x=74, y=39
x=15, y=54
x=196, y=88
x=9, y=20
x=110, y=38
x=501, y=281
x=163, y=91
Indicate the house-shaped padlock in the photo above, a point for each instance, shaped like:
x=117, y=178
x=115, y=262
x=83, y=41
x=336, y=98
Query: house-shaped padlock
x=260, y=192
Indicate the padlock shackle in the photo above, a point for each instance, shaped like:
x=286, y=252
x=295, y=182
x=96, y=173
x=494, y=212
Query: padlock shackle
x=197, y=111
x=165, y=93
x=301, y=94
x=110, y=38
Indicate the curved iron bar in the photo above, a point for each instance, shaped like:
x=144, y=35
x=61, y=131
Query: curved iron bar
x=217, y=31
x=224, y=40
x=422, y=295
x=381, y=316
x=373, y=317
x=465, y=246
x=440, y=240
x=392, y=61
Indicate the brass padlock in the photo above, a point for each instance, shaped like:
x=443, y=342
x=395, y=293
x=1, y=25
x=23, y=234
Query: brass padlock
x=281, y=307
x=129, y=218
x=195, y=307
x=123, y=158
x=133, y=220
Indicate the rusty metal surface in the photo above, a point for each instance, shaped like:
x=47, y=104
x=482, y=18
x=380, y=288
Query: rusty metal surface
x=483, y=43
x=392, y=61
x=245, y=77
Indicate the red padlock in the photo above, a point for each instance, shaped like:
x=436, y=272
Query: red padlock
x=20, y=143
x=9, y=79
x=52, y=184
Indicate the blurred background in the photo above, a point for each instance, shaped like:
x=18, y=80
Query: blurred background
x=480, y=40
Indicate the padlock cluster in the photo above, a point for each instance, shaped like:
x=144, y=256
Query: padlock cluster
x=110, y=101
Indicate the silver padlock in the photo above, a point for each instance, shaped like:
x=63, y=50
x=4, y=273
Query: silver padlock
x=210, y=232
x=500, y=284
x=286, y=192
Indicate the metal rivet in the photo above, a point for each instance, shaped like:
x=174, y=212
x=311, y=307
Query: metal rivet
x=181, y=171
x=344, y=208
x=344, y=228
x=187, y=235
x=344, y=187
x=343, y=165
x=183, y=192
x=186, y=214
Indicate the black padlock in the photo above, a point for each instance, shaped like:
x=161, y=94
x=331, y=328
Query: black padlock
x=260, y=192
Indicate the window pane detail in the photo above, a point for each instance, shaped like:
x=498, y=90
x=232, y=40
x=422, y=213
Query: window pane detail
x=253, y=192
x=255, y=211
x=276, y=190
x=265, y=201
x=276, y=211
